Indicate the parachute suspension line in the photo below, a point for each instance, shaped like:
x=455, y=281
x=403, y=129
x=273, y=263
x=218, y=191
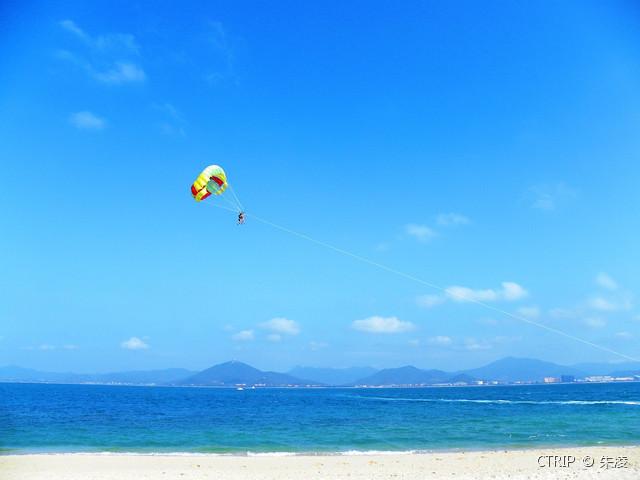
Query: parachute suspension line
x=457, y=295
x=213, y=204
x=233, y=192
x=233, y=205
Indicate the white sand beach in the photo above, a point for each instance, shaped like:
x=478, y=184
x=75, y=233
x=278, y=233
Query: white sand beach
x=575, y=463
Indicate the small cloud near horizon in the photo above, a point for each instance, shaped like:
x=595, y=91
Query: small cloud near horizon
x=440, y=340
x=134, y=343
x=473, y=344
x=42, y=347
x=624, y=335
x=377, y=324
x=48, y=347
x=315, y=346
x=243, y=336
x=508, y=291
x=281, y=325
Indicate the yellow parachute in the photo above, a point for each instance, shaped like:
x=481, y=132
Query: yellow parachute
x=212, y=180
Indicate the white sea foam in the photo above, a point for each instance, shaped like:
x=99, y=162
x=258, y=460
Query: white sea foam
x=379, y=452
x=141, y=454
x=272, y=454
x=235, y=454
x=504, y=402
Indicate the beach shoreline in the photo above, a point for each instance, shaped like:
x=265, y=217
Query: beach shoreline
x=619, y=462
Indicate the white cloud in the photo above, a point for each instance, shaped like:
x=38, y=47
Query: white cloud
x=593, y=307
x=70, y=26
x=315, y=346
x=510, y=291
x=106, y=58
x=624, y=335
x=440, y=340
x=134, y=343
x=114, y=43
x=428, y=301
x=506, y=339
x=420, y=232
x=282, y=325
x=465, y=294
x=473, y=344
x=44, y=347
x=452, y=219
x=605, y=281
x=87, y=121
x=529, y=312
x=243, y=336
x=378, y=324
x=595, y=322
x=549, y=197
x=274, y=337
x=121, y=72
x=602, y=304
x=620, y=302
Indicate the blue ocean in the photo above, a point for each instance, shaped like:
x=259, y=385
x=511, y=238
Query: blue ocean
x=99, y=418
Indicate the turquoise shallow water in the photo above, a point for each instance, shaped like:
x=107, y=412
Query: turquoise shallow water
x=89, y=418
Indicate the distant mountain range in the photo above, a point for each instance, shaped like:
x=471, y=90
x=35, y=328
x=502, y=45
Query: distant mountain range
x=234, y=373
x=408, y=375
x=238, y=373
x=513, y=369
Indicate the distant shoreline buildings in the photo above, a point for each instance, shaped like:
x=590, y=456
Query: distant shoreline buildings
x=234, y=374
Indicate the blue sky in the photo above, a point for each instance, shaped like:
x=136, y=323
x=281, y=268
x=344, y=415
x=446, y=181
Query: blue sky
x=485, y=147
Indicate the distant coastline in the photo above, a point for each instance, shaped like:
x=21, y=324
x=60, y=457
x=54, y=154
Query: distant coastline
x=318, y=387
x=234, y=374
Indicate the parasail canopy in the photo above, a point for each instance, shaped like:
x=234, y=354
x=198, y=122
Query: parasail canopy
x=212, y=180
